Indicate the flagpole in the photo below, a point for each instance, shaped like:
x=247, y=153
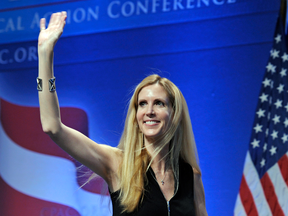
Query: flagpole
x=283, y=12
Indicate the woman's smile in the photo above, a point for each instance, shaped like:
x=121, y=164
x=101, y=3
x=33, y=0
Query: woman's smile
x=154, y=111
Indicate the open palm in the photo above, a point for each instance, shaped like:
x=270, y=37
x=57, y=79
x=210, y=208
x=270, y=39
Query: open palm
x=49, y=36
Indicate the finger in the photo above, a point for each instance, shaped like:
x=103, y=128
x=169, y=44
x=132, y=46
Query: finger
x=53, y=18
x=42, y=24
x=63, y=18
x=58, y=18
x=63, y=15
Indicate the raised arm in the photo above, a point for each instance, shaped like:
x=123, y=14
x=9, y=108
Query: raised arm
x=49, y=107
x=101, y=159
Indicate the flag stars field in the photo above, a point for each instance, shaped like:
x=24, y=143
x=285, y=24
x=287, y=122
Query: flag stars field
x=285, y=57
x=270, y=100
x=262, y=163
x=271, y=68
x=271, y=84
x=274, y=134
x=278, y=38
x=265, y=147
x=286, y=122
x=260, y=113
x=276, y=119
x=280, y=88
x=278, y=103
x=273, y=150
x=284, y=138
x=258, y=128
x=263, y=97
x=283, y=72
x=286, y=107
x=266, y=82
x=274, y=54
x=267, y=133
x=255, y=143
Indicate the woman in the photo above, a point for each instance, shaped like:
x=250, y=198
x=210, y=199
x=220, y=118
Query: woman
x=154, y=170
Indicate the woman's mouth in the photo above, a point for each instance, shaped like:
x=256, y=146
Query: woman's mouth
x=151, y=122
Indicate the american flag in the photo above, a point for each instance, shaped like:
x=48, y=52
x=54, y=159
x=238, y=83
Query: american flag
x=264, y=185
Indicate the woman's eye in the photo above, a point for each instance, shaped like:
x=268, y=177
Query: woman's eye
x=159, y=103
x=142, y=103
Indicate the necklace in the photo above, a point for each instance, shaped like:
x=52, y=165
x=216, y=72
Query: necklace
x=165, y=173
x=162, y=181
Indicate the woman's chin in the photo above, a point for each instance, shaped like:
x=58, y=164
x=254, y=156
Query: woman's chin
x=152, y=137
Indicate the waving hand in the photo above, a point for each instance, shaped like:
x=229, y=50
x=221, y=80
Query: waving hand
x=49, y=37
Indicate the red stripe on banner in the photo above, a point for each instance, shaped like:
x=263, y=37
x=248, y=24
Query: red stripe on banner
x=22, y=125
x=270, y=195
x=14, y=203
x=247, y=198
x=283, y=165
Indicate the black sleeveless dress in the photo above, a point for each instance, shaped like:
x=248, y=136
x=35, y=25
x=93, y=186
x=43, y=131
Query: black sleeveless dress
x=154, y=202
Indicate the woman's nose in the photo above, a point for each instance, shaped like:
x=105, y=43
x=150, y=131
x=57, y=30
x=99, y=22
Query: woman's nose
x=150, y=111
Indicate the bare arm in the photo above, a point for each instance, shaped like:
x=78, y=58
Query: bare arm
x=101, y=159
x=199, y=195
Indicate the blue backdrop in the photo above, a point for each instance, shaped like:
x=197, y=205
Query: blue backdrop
x=215, y=51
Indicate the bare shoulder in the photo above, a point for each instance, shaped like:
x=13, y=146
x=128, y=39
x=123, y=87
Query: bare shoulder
x=111, y=156
x=113, y=150
x=195, y=171
x=114, y=156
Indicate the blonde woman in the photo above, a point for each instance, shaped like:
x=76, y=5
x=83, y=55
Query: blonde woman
x=154, y=169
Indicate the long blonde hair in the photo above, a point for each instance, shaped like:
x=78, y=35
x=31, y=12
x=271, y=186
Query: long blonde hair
x=136, y=160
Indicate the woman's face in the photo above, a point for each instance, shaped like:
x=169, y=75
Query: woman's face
x=154, y=111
